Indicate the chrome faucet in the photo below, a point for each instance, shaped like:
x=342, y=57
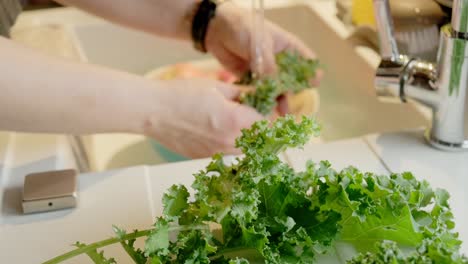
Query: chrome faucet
x=441, y=85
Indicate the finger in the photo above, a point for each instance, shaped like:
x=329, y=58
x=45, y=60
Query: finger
x=283, y=106
x=233, y=92
x=269, y=62
x=245, y=116
x=232, y=62
x=296, y=44
x=317, y=79
x=266, y=64
x=232, y=151
x=274, y=115
x=229, y=91
x=284, y=40
x=246, y=88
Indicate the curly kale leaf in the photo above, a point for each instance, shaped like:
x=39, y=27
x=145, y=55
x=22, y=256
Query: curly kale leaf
x=294, y=74
x=295, y=71
x=263, y=99
x=248, y=201
x=431, y=251
x=136, y=254
x=95, y=256
x=264, y=139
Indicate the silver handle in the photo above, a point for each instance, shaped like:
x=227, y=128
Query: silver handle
x=384, y=21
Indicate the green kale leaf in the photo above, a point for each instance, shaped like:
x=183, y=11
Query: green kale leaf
x=294, y=75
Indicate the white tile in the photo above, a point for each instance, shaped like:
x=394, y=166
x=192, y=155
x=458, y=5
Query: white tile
x=31, y=153
x=341, y=154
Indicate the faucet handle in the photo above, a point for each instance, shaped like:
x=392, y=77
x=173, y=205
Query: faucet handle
x=384, y=22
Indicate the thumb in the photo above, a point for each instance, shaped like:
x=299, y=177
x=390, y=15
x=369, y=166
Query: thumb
x=232, y=91
x=269, y=62
x=283, y=105
x=245, y=115
x=229, y=91
x=266, y=65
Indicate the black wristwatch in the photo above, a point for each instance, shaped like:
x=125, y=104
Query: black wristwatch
x=205, y=12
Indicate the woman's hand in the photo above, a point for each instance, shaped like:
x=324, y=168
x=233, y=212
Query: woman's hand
x=230, y=35
x=229, y=39
x=199, y=117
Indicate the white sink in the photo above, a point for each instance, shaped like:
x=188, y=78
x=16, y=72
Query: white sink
x=349, y=107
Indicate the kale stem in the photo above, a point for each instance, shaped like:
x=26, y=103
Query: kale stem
x=97, y=245
x=227, y=251
x=114, y=240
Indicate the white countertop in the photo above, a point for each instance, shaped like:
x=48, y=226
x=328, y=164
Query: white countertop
x=130, y=198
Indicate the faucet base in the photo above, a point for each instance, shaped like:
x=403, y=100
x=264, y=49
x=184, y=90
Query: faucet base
x=446, y=146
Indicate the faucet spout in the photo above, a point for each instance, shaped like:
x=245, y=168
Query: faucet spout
x=442, y=86
x=384, y=22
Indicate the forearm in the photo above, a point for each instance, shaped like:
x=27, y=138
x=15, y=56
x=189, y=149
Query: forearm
x=171, y=18
x=43, y=94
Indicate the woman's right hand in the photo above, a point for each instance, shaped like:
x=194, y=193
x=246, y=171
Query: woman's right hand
x=199, y=117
